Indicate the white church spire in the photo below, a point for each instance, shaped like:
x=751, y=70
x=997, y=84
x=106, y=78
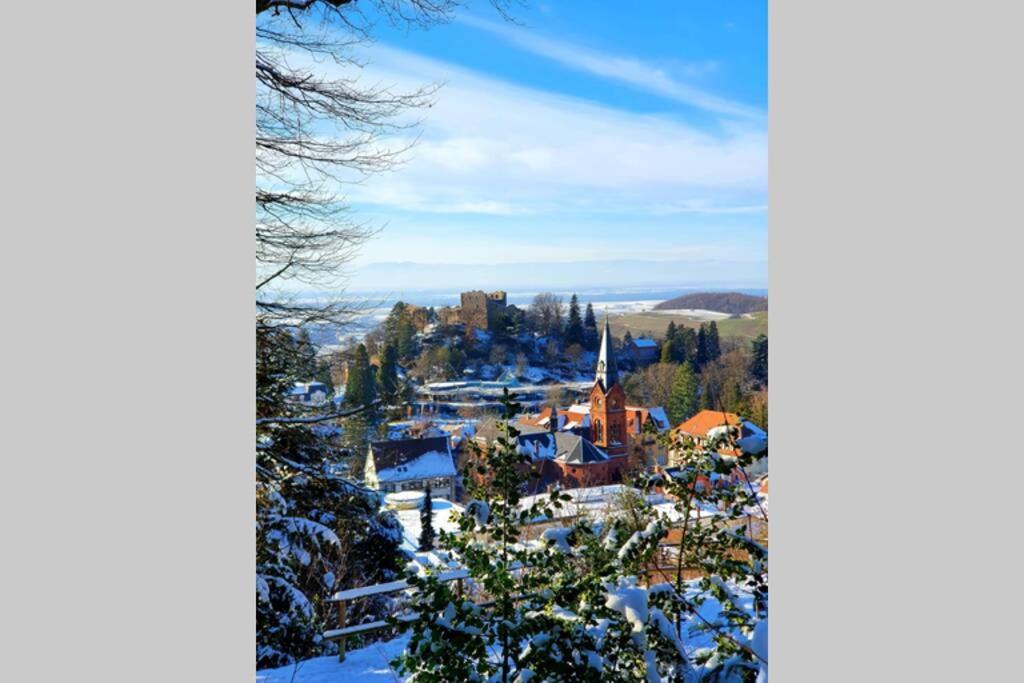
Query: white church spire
x=607, y=372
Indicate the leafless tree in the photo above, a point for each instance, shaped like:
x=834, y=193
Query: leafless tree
x=498, y=355
x=574, y=352
x=319, y=128
x=545, y=313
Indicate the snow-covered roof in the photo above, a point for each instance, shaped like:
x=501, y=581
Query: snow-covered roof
x=405, y=459
x=749, y=426
x=660, y=418
x=308, y=387
x=564, y=446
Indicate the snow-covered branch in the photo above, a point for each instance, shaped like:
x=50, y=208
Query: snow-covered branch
x=317, y=418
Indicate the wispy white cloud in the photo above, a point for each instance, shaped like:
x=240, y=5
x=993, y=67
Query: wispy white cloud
x=495, y=148
x=631, y=71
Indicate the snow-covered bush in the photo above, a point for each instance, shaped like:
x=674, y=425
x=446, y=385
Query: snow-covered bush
x=583, y=603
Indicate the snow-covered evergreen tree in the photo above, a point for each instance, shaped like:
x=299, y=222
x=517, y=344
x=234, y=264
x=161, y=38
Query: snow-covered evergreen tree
x=316, y=532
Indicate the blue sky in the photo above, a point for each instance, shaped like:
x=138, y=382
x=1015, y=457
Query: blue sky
x=586, y=132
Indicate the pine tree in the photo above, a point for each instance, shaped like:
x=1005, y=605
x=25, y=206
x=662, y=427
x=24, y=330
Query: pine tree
x=574, y=328
x=590, y=336
x=627, y=339
x=682, y=402
x=316, y=532
x=387, y=375
x=686, y=343
x=670, y=347
x=714, y=350
x=759, y=360
x=360, y=389
x=427, y=522
x=406, y=341
x=400, y=331
x=702, y=346
x=394, y=321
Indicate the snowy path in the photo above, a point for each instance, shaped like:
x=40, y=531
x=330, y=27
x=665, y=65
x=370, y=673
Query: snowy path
x=366, y=664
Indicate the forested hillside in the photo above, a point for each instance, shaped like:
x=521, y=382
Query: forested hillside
x=733, y=303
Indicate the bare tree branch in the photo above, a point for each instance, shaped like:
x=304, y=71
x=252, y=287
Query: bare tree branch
x=317, y=418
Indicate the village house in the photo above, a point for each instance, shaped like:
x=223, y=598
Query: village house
x=412, y=465
x=642, y=351
x=752, y=439
x=309, y=393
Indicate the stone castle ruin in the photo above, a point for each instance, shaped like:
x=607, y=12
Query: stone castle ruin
x=479, y=308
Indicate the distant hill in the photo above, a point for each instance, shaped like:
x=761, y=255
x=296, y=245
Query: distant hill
x=732, y=303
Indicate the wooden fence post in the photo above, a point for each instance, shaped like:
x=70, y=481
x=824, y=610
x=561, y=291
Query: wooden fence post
x=341, y=624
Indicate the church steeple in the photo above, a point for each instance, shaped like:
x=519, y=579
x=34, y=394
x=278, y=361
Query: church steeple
x=607, y=372
x=608, y=401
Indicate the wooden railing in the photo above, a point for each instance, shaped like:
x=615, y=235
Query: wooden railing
x=664, y=567
x=342, y=598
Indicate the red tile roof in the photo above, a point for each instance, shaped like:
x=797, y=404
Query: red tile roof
x=706, y=420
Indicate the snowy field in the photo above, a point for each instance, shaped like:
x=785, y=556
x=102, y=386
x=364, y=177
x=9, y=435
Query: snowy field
x=695, y=313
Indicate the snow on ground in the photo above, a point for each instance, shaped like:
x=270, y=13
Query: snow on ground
x=535, y=374
x=366, y=664
x=638, y=306
x=371, y=663
x=597, y=502
x=697, y=313
x=442, y=517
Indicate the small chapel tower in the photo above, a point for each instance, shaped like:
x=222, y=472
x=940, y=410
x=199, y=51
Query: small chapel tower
x=608, y=401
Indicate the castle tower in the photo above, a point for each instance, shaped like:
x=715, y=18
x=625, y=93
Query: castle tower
x=608, y=401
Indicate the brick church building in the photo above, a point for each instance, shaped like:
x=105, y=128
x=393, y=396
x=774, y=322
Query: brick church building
x=590, y=455
x=608, y=402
